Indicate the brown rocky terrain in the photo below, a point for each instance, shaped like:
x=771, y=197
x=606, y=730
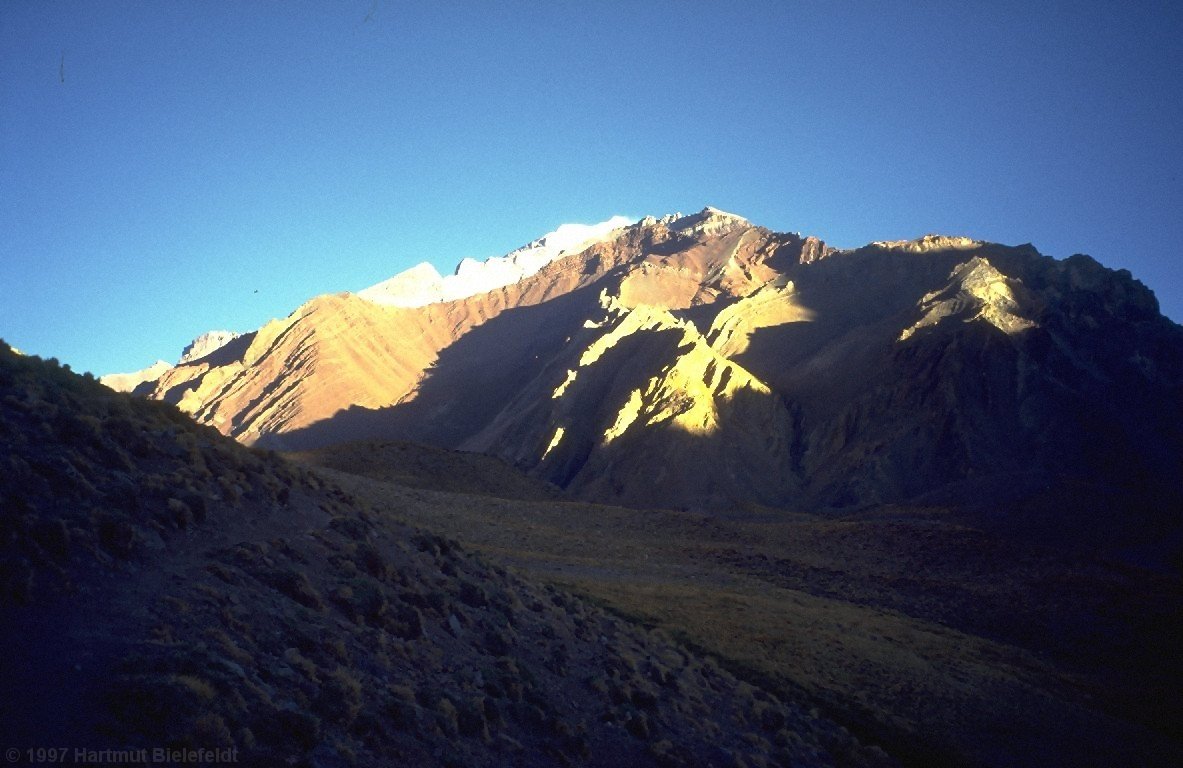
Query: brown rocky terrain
x=928, y=488
x=163, y=586
x=703, y=361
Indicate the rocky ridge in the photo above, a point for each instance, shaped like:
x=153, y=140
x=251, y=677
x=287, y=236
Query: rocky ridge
x=422, y=284
x=978, y=372
x=205, y=344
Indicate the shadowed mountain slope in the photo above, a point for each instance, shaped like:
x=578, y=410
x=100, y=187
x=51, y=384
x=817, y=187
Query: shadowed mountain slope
x=942, y=642
x=702, y=360
x=421, y=466
x=164, y=587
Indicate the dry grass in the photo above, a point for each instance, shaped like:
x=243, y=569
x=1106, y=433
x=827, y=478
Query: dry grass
x=919, y=634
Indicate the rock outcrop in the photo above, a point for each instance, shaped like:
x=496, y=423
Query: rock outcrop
x=206, y=344
x=701, y=359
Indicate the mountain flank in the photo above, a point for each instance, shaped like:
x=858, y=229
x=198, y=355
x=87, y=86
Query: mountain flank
x=164, y=587
x=941, y=642
x=704, y=361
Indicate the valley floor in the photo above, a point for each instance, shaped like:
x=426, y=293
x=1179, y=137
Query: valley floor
x=939, y=643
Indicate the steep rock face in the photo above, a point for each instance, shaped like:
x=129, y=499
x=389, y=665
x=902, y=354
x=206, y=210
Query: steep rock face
x=206, y=344
x=712, y=361
x=976, y=291
x=638, y=408
x=333, y=352
x=143, y=381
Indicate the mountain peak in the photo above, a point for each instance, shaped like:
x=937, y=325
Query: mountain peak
x=422, y=284
x=414, y=287
x=708, y=222
x=710, y=210
x=205, y=344
x=930, y=242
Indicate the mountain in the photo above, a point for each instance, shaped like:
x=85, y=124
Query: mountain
x=422, y=284
x=205, y=344
x=128, y=382
x=163, y=588
x=941, y=643
x=705, y=361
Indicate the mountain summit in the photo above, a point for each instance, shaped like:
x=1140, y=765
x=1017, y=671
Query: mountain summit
x=422, y=284
x=703, y=360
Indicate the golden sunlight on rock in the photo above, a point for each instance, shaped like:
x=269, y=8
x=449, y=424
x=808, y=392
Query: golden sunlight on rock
x=976, y=291
x=769, y=306
x=554, y=441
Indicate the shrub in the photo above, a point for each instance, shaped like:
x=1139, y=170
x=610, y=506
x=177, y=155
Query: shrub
x=350, y=527
x=115, y=534
x=340, y=697
x=405, y=622
x=299, y=662
x=179, y=513
x=228, y=647
x=53, y=538
x=210, y=731
x=473, y=594
x=197, y=686
x=372, y=561
x=16, y=580
x=470, y=719
x=637, y=724
x=289, y=726
x=295, y=585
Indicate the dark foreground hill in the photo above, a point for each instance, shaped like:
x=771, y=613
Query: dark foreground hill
x=162, y=586
x=421, y=466
x=919, y=630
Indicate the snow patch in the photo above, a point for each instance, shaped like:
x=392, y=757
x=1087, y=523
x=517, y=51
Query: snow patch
x=422, y=284
x=205, y=344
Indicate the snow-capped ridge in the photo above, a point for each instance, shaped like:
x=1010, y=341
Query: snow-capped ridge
x=419, y=285
x=422, y=284
x=202, y=346
x=205, y=344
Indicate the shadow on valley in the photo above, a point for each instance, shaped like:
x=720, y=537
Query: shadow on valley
x=919, y=634
x=1058, y=430
x=164, y=586
x=1003, y=618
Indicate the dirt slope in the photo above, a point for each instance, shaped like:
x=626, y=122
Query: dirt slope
x=705, y=361
x=913, y=627
x=162, y=586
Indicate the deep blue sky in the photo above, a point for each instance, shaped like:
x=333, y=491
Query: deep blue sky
x=197, y=152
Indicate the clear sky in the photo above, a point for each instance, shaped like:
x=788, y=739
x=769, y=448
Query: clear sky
x=167, y=168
